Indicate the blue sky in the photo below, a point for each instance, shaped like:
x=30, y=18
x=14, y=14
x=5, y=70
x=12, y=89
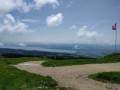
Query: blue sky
x=59, y=21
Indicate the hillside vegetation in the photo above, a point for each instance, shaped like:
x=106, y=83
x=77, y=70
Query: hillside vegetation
x=112, y=58
x=12, y=78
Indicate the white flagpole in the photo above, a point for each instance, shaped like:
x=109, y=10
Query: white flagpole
x=116, y=40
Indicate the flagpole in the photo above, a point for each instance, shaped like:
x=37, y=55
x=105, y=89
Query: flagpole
x=116, y=40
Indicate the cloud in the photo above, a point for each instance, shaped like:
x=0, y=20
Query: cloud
x=31, y=20
x=1, y=44
x=94, y=26
x=54, y=20
x=10, y=26
x=85, y=35
x=70, y=4
x=7, y=6
x=83, y=32
x=41, y=3
x=73, y=27
x=21, y=44
x=9, y=19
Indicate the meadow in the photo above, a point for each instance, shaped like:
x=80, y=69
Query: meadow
x=12, y=78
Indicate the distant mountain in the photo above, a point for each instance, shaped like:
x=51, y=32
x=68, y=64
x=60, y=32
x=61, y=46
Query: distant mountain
x=91, y=50
x=51, y=55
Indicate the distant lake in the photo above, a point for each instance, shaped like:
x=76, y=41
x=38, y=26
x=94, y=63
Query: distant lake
x=97, y=51
x=41, y=49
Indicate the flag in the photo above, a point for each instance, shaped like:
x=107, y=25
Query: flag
x=114, y=27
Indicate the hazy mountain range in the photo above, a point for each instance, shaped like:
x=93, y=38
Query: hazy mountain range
x=92, y=50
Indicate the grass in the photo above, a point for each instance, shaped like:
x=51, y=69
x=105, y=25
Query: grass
x=107, y=59
x=12, y=78
x=113, y=77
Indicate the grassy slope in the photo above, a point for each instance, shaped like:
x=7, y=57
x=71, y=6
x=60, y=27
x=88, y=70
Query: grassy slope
x=12, y=78
x=108, y=59
x=113, y=77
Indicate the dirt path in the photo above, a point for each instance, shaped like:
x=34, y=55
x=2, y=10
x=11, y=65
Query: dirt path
x=74, y=76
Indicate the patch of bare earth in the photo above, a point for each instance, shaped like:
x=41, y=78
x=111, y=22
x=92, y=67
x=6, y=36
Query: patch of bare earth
x=75, y=76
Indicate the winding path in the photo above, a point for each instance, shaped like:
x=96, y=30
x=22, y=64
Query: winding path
x=74, y=76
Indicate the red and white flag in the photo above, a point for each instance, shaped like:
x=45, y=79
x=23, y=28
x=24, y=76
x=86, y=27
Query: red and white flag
x=114, y=27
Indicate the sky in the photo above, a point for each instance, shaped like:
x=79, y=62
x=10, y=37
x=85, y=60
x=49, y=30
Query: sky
x=59, y=21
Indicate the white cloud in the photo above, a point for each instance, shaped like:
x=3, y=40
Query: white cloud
x=7, y=6
x=94, y=26
x=83, y=32
x=54, y=20
x=88, y=36
x=9, y=19
x=41, y=3
x=31, y=20
x=10, y=26
x=1, y=44
x=73, y=27
x=21, y=44
x=70, y=4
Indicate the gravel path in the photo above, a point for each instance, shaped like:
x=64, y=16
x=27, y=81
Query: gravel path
x=74, y=76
